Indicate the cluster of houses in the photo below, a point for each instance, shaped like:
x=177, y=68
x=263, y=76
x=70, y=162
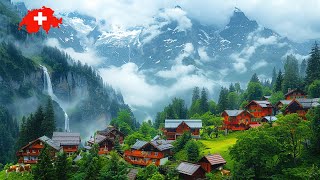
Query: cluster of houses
x=258, y=111
x=158, y=151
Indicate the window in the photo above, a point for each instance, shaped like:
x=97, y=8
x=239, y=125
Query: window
x=40, y=143
x=33, y=151
x=156, y=153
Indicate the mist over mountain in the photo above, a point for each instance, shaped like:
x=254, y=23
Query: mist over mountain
x=166, y=58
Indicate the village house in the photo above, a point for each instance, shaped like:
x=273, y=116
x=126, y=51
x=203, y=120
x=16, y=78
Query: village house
x=282, y=103
x=189, y=171
x=106, y=139
x=301, y=106
x=295, y=94
x=173, y=128
x=237, y=120
x=30, y=152
x=211, y=162
x=69, y=142
x=144, y=153
x=260, y=109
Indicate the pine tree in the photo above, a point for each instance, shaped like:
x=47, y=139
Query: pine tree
x=117, y=146
x=291, y=78
x=204, y=104
x=195, y=94
x=237, y=87
x=44, y=168
x=303, y=68
x=48, y=126
x=223, y=102
x=36, y=121
x=274, y=77
x=232, y=88
x=255, y=78
x=61, y=166
x=192, y=151
x=116, y=169
x=313, y=67
x=278, y=84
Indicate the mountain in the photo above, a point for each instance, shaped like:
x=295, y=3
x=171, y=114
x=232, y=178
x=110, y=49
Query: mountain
x=80, y=91
x=242, y=45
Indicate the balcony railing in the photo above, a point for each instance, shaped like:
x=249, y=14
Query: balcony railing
x=144, y=154
x=141, y=162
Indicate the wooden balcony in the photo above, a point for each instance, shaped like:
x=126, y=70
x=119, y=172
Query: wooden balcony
x=141, y=162
x=103, y=151
x=28, y=154
x=30, y=161
x=144, y=154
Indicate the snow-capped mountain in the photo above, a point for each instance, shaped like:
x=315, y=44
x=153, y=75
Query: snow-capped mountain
x=235, y=51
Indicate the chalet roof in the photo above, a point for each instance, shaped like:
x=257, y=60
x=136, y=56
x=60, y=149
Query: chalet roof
x=108, y=130
x=233, y=113
x=50, y=142
x=66, y=138
x=161, y=145
x=99, y=138
x=215, y=159
x=293, y=91
x=132, y=174
x=272, y=118
x=263, y=104
x=309, y=103
x=188, y=168
x=285, y=102
x=139, y=144
x=174, y=123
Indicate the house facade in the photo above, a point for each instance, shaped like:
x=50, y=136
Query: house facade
x=189, y=171
x=212, y=162
x=174, y=128
x=295, y=94
x=260, y=109
x=69, y=142
x=237, y=120
x=143, y=153
x=301, y=106
x=29, y=153
x=106, y=139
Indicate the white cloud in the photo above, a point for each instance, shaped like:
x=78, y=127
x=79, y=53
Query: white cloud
x=88, y=57
x=203, y=54
x=178, y=15
x=298, y=20
x=176, y=71
x=259, y=64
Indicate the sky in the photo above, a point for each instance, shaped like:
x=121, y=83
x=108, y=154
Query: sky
x=296, y=19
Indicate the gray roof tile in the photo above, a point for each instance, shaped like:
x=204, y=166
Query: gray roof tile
x=174, y=123
x=188, y=168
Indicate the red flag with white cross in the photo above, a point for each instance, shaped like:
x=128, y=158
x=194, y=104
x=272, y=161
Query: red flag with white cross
x=40, y=18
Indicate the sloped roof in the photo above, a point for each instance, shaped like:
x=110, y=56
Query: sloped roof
x=295, y=90
x=215, y=159
x=188, y=168
x=139, y=144
x=233, y=113
x=50, y=142
x=109, y=129
x=174, y=123
x=99, y=138
x=263, y=104
x=66, y=138
x=272, y=118
x=161, y=145
x=132, y=175
x=309, y=103
x=286, y=102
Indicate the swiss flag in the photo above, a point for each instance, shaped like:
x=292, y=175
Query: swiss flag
x=40, y=18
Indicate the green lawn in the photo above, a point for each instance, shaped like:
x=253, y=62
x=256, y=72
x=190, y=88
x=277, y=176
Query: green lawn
x=15, y=176
x=221, y=146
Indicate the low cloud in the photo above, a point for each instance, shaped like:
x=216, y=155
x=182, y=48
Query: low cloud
x=88, y=57
x=259, y=64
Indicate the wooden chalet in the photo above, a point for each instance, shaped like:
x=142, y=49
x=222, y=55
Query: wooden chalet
x=301, y=106
x=106, y=139
x=237, y=120
x=282, y=103
x=69, y=142
x=144, y=153
x=189, y=171
x=30, y=152
x=173, y=128
x=260, y=109
x=295, y=94
x=211, y=162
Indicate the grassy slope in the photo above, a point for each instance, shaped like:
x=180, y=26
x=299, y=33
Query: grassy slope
x=15, y=176
x=221, y=146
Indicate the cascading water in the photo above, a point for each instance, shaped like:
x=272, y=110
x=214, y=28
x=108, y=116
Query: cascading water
x=49, y=90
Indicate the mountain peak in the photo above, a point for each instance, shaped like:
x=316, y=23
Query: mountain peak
x=237, y=10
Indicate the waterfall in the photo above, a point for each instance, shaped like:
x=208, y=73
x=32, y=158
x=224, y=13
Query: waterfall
x=49, y=90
